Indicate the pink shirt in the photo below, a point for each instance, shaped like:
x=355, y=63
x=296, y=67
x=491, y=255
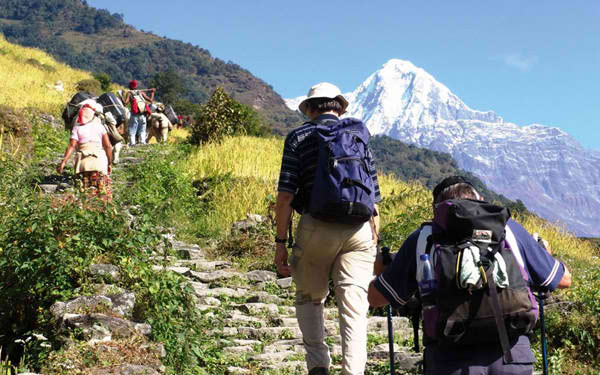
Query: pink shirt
x=91, y=132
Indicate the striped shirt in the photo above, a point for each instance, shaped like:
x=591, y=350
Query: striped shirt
x=300, y=157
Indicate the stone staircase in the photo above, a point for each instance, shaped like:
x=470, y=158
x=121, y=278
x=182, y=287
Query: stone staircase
x=253, y=311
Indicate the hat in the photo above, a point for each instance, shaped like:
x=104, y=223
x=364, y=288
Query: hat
x=86, y=114
x=324, y=90
x=133, y=84
x=449, y=181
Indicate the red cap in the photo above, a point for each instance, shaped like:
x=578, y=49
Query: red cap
x=133, y=84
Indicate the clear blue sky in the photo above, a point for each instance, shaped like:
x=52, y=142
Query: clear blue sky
x=529, y=61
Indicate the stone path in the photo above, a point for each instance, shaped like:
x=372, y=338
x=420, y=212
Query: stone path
x=256, y=308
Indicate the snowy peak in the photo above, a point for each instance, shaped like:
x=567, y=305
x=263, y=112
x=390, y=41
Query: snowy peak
x=401, y=92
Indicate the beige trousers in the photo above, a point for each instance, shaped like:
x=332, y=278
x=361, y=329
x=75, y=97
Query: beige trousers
x=346, y=254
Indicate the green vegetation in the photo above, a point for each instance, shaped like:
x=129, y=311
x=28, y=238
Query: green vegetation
x=223, y=116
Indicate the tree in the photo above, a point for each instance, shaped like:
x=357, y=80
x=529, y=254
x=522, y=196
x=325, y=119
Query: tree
x=223, y=116
x=104, y=79
x=169, y=86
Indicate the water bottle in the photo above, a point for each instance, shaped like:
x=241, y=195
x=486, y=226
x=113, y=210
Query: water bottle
x=427, y=284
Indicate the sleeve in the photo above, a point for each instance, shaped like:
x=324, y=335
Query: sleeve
x=373, y=173
x=290, y=167
x=75, y=133
x=543, y=269
x=398, y=282
x=101, y=130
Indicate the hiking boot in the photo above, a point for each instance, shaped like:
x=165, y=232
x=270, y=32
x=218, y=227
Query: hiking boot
x=318, y=371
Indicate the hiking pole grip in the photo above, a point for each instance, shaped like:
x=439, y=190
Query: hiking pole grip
x=387, y=259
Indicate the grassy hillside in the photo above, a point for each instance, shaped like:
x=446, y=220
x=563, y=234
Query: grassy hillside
x=98, y=41
x=29, y=76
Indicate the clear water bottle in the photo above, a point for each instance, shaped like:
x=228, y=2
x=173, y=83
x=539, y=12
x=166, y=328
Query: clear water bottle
x=427, y=284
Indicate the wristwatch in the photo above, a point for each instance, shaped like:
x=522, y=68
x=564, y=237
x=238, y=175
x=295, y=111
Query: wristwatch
x=280, y=240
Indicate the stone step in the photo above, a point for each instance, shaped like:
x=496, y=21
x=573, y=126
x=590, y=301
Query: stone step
x=268, y=332
x=273, y=357
x=219, y=275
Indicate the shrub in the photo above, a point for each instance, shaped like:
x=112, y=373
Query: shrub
x=44, y=67
x=104, y=79
x=222, y=116
x=92, y=86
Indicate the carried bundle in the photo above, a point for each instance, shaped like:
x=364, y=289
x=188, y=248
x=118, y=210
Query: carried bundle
x=72, y=108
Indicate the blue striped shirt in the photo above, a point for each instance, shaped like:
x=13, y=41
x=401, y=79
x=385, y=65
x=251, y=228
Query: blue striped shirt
x=300, y=157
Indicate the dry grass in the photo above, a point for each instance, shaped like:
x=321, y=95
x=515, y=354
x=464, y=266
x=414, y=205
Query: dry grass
x=28, y=76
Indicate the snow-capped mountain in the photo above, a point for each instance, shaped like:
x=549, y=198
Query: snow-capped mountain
x=543, y=166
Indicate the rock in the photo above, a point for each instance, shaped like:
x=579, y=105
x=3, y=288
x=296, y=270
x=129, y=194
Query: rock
x=157, y=348
x=260, y=275
x=287, y=322
x=48, y=188
x=126, y=369
x=259, y=308
x=246, y=342
x=269, y=332
x=59, y=86
x=187, y=251
x=180, y=270
x=80, y=304
x=217, y=292
x=252, y=221
x=123, y=303
x=208, y=277
x=105, y=270
x=284, y=283
x=211, y=301
x=230, y=331
x=292, y=366
x=244, y=319
x=273, y=357
x=404, y=360
x=202, y=265
x=240, y=349
x=117, y=327
x=231, y=370
x=264, y=297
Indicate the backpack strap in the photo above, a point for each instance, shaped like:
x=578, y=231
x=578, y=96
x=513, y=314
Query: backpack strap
x=495, y=304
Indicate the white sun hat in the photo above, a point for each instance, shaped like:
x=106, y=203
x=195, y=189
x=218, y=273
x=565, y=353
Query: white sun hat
x=324, y=90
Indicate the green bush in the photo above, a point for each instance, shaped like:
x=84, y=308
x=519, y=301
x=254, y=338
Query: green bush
x=39, y=65
x=223, y=116
x=92, y=86
x=104, y=79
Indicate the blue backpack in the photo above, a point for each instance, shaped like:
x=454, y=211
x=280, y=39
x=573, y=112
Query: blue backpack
x=343, y=189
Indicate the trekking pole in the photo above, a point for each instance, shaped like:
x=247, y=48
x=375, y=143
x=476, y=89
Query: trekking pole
x=387, y=259
x=541, y=296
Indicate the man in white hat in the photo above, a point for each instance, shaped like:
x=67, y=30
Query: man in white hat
x=344, y=252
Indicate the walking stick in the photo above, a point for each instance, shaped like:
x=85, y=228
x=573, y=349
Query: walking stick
x=387, y=259
x=542, y=296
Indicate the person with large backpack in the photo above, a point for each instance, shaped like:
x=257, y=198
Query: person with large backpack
x=138, y=100
x=473, y=269
x=328, y=176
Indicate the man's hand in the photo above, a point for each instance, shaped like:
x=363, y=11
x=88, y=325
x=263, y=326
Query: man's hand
x=60, y=167
x=381, y=263
x=281, y=260
x=543, y=242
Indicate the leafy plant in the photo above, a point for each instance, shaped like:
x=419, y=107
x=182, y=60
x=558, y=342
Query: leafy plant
x=223, y=116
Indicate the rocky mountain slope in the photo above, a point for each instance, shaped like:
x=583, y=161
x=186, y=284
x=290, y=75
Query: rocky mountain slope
x=542, y=166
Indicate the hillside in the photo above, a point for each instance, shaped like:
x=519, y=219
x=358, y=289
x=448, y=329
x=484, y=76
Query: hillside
x=98, y=41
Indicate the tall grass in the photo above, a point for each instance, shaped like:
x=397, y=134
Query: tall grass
x=28, y=76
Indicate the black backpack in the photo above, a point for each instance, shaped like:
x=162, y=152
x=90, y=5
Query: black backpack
x=72, y=108
x=482, y=313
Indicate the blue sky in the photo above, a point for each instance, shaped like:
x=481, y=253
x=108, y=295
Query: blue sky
x=529, y=61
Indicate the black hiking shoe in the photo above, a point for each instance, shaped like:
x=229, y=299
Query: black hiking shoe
x=318, y=371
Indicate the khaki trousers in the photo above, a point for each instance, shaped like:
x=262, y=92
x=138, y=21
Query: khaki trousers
x=346, y=254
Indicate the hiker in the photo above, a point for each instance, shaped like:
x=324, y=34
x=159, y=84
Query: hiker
x=93, y=159
x=159, y=124
x=325, y=247
x=450, y=347
x=138, y=99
